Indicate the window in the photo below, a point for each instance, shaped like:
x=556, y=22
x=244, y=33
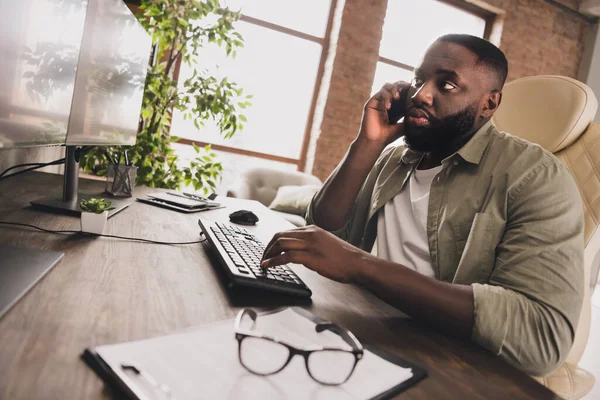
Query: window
x=280, y=66
x=411, y=26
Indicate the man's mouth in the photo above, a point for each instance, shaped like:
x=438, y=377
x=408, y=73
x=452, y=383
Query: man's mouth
x=418, y=117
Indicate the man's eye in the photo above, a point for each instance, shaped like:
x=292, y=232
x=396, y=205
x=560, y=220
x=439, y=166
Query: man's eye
x=448, y=86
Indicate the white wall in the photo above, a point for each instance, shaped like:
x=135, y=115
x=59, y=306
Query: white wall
x=589, y=71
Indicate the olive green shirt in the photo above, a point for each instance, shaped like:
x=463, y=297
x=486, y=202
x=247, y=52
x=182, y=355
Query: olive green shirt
x=504, y=216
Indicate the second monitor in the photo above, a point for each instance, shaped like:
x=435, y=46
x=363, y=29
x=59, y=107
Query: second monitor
x=77, y=75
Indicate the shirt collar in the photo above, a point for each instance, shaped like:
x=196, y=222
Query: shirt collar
x=471, y=152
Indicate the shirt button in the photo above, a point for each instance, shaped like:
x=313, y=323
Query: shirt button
x=455, y=162
x=438, y=178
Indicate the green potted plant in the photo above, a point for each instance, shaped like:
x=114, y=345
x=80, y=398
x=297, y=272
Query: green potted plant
x=94, y=213
x=179, y=30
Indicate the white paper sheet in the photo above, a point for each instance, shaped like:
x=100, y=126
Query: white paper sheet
x=203, y=364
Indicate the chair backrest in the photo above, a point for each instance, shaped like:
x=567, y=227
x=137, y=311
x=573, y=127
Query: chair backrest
x=557, y=113
x=261, y=184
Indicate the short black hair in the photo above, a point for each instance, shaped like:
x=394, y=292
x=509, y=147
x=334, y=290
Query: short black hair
x=489, y=55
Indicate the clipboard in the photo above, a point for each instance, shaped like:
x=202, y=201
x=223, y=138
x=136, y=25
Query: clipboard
x=134, y=388
x=419, y=373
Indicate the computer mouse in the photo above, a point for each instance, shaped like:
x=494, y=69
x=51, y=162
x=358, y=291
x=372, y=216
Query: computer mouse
x=243, y=217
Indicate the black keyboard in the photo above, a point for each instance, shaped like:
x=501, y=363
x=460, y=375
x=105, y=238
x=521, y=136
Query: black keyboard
x=240, y=253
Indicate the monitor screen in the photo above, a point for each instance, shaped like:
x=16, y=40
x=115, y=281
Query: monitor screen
x=72, y=72
x=40, y=42
x=111, y=73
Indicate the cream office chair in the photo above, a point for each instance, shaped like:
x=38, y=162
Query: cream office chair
x=261, y=184
x=557, y=113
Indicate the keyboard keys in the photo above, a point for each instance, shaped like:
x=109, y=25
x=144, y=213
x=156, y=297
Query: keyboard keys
x=238, y=262
x=243, y=253
x=246, y=251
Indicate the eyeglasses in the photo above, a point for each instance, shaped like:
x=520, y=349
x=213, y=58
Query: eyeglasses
x=264, y=355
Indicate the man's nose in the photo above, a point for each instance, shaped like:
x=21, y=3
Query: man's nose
x=424, y=95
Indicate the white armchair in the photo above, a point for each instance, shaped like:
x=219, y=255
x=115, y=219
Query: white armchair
x=262, y=184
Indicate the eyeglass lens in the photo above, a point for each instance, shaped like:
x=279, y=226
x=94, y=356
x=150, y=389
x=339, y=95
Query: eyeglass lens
x=331, y=367
x=265, y=357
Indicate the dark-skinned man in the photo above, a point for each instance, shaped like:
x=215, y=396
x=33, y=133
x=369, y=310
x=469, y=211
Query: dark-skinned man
x=477, y=233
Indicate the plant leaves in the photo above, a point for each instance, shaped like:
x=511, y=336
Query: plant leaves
x=199, y=98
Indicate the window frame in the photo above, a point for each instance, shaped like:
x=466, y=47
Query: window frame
x=324, y=42
x=488, y=16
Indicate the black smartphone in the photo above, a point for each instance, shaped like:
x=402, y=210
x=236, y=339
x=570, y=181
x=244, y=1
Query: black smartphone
x=398, y=108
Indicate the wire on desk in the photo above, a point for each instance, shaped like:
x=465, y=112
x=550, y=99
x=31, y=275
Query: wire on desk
x=102, y=235
x=146, y=240
x=33, y=166
x=37, y=227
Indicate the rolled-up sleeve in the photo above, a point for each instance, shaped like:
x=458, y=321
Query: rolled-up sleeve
x=352, y=229
x=342, y=232
x=528, y=310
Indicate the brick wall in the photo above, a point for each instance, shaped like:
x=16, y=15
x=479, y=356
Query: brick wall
x=537, y=37
x=350, y=72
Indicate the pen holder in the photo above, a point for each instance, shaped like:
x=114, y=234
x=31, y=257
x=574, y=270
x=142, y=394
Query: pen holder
x=120, y=180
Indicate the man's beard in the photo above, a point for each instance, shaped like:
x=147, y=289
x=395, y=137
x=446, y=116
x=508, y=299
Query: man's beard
x=442, y=134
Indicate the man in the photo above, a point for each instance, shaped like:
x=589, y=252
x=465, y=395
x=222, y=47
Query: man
x=478, y=233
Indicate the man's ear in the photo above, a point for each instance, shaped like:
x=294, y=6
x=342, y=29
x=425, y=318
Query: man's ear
x=491, y=104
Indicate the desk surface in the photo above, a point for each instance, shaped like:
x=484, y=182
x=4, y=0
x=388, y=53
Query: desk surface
x=108, y=291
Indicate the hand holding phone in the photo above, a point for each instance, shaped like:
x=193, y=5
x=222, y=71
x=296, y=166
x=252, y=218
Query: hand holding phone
x=382, y=113
x=398, y=108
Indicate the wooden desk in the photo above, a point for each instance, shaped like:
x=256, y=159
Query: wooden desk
x=107, y=291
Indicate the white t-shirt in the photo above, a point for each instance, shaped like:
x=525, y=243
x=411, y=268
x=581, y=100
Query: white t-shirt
x=402, y=224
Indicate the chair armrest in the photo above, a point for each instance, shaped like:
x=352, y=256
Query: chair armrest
x=569, y=381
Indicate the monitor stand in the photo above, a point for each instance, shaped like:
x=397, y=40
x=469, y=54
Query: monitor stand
x=68, y=203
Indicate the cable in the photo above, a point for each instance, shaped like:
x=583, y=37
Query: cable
x=36, y=227
x=18, y=166
x=36, y=166
x=102, y=235
x=147, y=240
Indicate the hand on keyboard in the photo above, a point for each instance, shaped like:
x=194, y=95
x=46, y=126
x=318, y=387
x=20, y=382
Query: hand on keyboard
x=316, y=249
x=245, y=250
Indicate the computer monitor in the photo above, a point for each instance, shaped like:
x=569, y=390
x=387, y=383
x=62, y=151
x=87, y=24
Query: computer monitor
x=38, y=70
x=72, y=74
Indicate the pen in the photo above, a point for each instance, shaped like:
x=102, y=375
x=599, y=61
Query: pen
x=111, y=159
x=194, y=196
x=187, y=196
x=149, y=379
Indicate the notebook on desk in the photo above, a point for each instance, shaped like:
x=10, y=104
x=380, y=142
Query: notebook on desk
x=180, y=201
x=202, y=363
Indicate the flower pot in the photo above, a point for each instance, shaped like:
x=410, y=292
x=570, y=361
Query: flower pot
x=93, y=223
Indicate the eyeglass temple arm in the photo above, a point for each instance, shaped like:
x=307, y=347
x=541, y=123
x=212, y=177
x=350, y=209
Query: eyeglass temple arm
x=320, y=327
x=343, y=332
x=246, y=311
